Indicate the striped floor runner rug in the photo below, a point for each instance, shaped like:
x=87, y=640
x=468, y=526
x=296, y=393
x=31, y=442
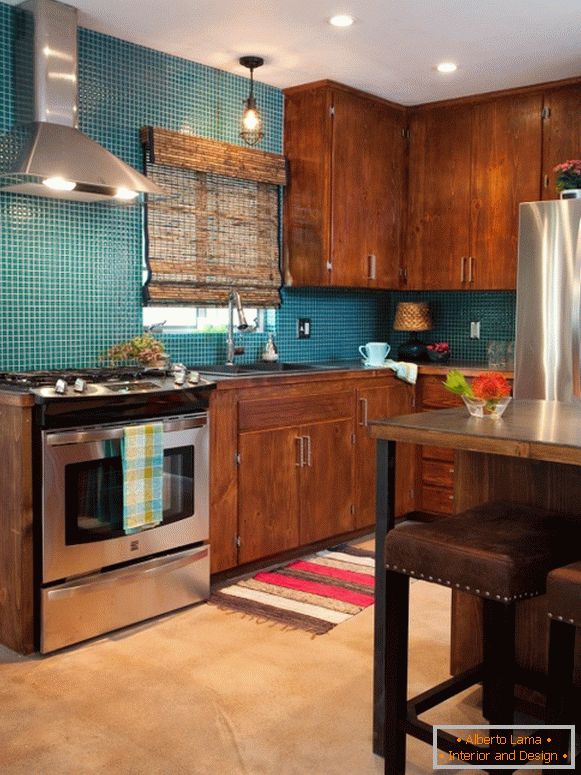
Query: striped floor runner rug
x=313, y=594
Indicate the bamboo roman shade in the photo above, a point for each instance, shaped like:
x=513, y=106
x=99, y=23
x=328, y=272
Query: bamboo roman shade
x=217, y=228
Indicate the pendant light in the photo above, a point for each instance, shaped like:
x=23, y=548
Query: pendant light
x=251, y=131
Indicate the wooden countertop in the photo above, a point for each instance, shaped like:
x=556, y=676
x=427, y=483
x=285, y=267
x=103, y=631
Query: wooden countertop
x=537, y=430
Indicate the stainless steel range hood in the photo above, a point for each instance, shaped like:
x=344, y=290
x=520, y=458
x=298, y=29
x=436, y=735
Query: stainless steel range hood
x=46, y=155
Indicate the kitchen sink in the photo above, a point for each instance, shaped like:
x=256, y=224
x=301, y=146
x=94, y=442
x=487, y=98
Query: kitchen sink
x=261, y=367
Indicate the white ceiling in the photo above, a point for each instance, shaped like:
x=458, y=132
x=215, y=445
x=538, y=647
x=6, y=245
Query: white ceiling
x=391, y=50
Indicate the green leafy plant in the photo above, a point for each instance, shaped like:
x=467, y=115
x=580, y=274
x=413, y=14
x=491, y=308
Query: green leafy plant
x=145, y=349
x=457, y=383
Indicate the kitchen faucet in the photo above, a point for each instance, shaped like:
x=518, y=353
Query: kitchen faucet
x=231, y=349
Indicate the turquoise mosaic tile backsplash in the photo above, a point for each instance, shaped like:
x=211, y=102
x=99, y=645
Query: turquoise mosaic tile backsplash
x=70, y=273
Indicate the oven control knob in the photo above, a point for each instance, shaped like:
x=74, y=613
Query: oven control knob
x=80, y=385
x=61, y=386
x=194, y=377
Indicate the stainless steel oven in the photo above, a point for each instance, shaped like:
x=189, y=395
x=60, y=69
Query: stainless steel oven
x=95, y=577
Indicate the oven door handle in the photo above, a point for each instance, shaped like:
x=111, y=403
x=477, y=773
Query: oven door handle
x=125, y=575
x=108, y=434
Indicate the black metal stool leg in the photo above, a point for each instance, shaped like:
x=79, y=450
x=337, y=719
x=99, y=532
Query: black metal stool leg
x=499, y=662
x=396, y=651
x=560, y=706
x=561, y=660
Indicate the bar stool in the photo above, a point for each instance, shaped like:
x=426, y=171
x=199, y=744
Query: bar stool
x=500, y=552
x=564, y=598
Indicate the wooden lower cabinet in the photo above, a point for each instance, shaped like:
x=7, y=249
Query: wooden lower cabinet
x=295, y=464
x=326, y=480
x=372, y=403
x=268, y=493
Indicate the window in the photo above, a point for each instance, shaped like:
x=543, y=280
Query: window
x=201, y=320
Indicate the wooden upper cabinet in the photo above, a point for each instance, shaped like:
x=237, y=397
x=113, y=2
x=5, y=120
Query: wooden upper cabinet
x=437, y=240
x=344, y=199
x=470, y=165
x=505, y=170
x=561, y=133
x=307, y=198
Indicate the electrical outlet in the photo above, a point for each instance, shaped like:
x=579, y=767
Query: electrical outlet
x=475, y=329
x=303, y=328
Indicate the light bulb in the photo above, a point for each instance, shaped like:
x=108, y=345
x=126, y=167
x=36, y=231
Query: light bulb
x=58, y=183
x=341, y=20
x=125, y=193
x=447, y=67
x=251, y=119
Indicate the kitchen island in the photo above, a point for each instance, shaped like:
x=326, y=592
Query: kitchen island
x=532, y=455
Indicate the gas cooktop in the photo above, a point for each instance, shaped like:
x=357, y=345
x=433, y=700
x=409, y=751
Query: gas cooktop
x=27, y=380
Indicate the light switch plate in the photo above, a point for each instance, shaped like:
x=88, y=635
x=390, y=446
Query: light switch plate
x=475, y=329
x=303, y=328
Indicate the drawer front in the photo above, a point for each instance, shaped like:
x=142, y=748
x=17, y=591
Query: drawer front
x=263, y=414
x=443, y=454
x=435, y=396
x=438, y=474
x=437, y=499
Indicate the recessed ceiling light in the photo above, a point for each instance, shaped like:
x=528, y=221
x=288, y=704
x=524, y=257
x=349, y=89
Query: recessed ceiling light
x=447, y=67
x=342, y=20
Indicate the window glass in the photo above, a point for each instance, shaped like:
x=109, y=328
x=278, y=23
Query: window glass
x=202, y=320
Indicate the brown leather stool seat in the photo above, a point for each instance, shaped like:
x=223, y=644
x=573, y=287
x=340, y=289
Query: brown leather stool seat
x=500, y=552
x=564, y=591
x=564, y=598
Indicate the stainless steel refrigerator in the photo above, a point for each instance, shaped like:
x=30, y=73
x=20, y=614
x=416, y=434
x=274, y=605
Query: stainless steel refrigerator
x=548, y=301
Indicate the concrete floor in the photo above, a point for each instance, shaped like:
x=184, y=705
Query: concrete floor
x=204, y=692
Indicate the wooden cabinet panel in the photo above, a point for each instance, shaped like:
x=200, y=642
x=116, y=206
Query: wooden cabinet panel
x=438, y=500
x=437, y=473
x=268, y=493
x=326, y=481
x=372, y=403
x=262, y=413
x=348, y=206
x=306, y=223
x=433, y=394
x=437, y=236
x=344, y=201
x=443, y=454
x=506, y=170
x=561, y=133
x=223, y=480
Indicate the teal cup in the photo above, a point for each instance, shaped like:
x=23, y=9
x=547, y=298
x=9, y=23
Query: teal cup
x=374, y=353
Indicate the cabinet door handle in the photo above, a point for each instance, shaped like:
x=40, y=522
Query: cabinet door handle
x=309, y=462
x=371, y=267
x=471, y=269
x=300, y=461
x=546, y=181
x=462, y=268
x=363, y=412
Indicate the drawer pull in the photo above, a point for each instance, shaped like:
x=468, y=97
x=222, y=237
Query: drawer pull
x=309, y=461
x=363, y=412
x=300, y=452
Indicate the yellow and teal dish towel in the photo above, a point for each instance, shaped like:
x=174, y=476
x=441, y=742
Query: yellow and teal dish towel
x=142, y=460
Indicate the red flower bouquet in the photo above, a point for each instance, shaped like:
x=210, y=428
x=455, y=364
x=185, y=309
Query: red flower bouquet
x=487, y=396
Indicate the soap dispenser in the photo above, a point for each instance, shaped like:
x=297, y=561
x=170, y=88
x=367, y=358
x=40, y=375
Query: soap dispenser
x=270, y=353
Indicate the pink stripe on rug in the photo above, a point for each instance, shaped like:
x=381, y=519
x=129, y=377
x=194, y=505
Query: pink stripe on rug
x=316, y=588
x=335, y=573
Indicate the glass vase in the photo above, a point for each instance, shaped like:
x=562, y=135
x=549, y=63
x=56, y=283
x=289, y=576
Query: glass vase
x=492, y=408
